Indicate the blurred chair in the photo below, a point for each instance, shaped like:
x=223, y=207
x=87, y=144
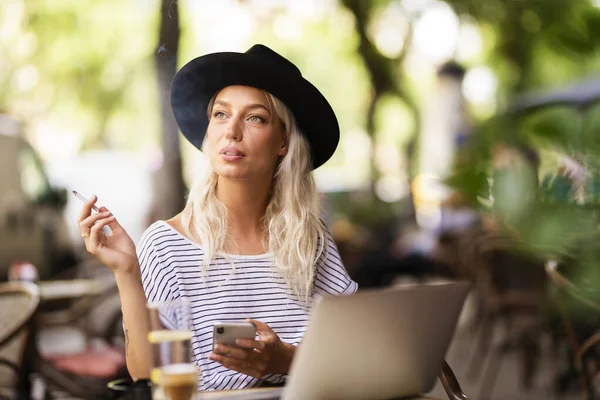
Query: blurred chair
x=90, y=302
x=587, y=363
x=450, y=383
x=79, y=344
x=585, y=352
x=510, y=291
x=19, y=302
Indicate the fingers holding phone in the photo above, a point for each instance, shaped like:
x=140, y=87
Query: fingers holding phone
x=226, y=333
x=250, y=355
x=232, y=355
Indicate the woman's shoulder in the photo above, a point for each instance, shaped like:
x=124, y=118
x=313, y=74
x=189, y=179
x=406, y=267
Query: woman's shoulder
x=176, y=223
x=157, y=232
x=161, y=241
x=167, y=233
x=152, y=231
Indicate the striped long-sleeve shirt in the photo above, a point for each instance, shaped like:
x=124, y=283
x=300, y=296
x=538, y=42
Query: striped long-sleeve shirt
x=235, y=287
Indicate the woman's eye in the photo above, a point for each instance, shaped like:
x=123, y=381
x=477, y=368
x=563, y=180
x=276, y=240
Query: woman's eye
x=256, y=118
x=219, y=114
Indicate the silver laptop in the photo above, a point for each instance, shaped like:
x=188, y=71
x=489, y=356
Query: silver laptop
x=376, y=344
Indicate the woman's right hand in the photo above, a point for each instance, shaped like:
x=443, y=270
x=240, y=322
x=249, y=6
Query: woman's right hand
x=117, y=250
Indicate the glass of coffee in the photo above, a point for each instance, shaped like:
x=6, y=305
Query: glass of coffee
x=174, y=373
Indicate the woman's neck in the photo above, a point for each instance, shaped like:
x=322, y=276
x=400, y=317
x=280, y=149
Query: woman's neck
x=246, y=203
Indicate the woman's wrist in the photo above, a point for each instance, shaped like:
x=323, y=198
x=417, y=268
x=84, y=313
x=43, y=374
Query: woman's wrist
x=130, y=273
x=284, y=358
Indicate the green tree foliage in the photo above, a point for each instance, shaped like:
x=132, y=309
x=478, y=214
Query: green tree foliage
x=539, y=42
x=82, y=65
x=386, y=75
x=537, y=45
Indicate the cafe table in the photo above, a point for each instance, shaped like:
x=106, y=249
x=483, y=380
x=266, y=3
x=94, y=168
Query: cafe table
x=266, y=394
x=446, y=377
x=69, y=289
x=64, y=301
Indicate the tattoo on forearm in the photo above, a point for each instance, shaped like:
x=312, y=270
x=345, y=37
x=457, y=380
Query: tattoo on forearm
x=126, y=341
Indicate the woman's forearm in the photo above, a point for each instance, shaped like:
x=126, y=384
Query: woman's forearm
x=135, y=321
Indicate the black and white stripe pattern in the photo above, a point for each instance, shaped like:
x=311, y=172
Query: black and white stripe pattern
x=236, y=287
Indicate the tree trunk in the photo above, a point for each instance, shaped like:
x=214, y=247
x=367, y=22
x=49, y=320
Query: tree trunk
x=169, y=188
x=379, y=72
x=386, y=75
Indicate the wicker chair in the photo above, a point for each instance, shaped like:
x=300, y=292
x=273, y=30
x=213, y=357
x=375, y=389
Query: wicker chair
x=582, y=343
x=450, y=383
x=510, y=288
x=19, y=302
x=93, y=322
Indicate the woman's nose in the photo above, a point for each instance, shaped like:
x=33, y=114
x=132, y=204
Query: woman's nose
x=234, y=131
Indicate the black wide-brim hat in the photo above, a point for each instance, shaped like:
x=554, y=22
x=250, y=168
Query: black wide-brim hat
x=199, y=80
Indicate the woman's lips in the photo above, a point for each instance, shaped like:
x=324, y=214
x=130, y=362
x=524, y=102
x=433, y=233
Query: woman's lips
x=231, y=157
x=232, y=154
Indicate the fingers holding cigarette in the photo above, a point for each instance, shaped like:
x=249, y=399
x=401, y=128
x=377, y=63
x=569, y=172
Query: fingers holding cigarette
x=88, y=206
x=86, y=219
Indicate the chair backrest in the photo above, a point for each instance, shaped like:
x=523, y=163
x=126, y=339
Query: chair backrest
x=568, y=286
x=19, y=302
x=500, y=264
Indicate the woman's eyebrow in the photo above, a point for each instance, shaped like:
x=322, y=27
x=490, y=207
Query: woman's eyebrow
x=248, y=107
x=257, y=105
x=222, y=103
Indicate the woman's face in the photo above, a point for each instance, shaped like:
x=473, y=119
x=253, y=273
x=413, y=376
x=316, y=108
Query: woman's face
x=244, y=138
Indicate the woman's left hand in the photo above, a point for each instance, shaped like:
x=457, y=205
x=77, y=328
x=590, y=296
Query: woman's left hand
x=267, y=355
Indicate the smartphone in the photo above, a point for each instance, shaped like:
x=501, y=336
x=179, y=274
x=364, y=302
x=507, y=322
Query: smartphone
x=227, y=332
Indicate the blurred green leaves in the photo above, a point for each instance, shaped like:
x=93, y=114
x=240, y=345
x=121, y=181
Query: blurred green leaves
x=551, y=210
x=577, y=35
x=92, y=64
x=556, y=126
x=556, y=230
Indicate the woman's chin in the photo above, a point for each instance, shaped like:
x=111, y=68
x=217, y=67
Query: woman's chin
x=232, y=172
x=242, y=172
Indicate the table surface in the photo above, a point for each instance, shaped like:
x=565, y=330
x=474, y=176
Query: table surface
x=69, y=289
x=261, y=394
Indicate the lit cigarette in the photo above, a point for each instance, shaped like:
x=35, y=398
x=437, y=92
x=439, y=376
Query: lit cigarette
x=80, y=197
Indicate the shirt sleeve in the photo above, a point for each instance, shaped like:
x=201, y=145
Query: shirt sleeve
x=331, y=278
x=158, y=278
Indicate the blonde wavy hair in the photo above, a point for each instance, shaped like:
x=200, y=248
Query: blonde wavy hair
x=294, y=232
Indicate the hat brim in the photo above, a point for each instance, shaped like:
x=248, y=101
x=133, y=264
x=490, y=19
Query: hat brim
x=199, y=80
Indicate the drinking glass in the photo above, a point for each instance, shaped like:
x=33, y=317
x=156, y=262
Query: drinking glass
x=174, y=373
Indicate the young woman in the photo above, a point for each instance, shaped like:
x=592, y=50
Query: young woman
x=249, y=243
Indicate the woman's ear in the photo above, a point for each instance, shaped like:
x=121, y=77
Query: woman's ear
x=284, y=146
x=283, y=149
